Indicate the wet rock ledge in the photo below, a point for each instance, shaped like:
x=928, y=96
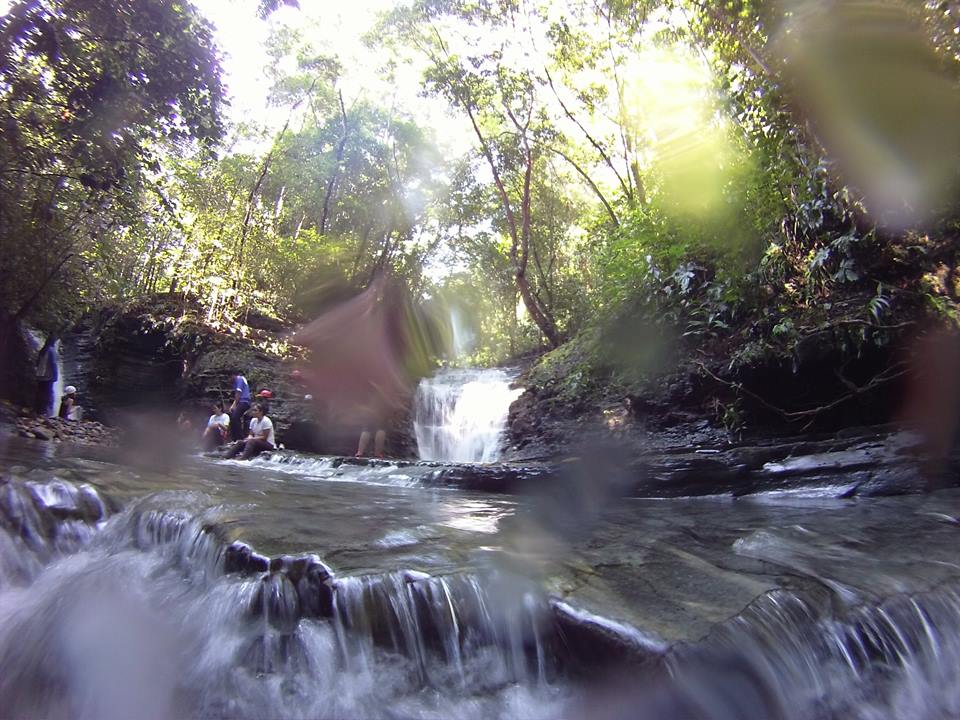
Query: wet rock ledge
x=863, y=463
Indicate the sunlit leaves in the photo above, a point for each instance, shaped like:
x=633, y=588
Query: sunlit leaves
x=88, y=100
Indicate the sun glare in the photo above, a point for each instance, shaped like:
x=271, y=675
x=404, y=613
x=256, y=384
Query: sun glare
x=672, y=102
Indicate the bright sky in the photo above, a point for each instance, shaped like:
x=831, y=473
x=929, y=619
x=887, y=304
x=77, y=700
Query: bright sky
x=333, y=28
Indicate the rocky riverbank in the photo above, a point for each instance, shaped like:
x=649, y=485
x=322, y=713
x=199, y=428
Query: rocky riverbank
x=52, y=429
x=858, y=462
x=823, y=369
x=159, y=355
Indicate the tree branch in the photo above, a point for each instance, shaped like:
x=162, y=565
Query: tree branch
x=596, y=144
x=893, y=372
x=590, y=182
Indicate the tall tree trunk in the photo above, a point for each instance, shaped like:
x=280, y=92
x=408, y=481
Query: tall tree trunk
x=255, y=190
x=519, y=233
x=519, y=236
x=335, y=174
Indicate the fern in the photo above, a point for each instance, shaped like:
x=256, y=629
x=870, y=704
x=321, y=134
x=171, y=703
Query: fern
x=879, y=304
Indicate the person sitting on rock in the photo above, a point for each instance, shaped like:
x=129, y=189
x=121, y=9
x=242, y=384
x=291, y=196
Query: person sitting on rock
x=217, y=432
x=68, y=403
x=260, y=438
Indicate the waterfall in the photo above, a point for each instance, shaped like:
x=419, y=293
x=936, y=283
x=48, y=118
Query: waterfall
x=463, y=338
x=59, y=384
x=460, y=415
x=36, y=339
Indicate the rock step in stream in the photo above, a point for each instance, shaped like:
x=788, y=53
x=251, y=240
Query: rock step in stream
x=870, y=464
x=786, y=655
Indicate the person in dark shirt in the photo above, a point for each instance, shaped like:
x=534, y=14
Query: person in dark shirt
x=46, y=375
x=239, y=407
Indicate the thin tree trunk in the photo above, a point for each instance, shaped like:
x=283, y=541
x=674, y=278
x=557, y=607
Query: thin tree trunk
x=335, y=175
x=591, y=183
x=519, y=237
x=255, y=190
x=596, y=144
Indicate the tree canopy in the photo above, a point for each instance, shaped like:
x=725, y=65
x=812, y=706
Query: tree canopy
x=700, y=164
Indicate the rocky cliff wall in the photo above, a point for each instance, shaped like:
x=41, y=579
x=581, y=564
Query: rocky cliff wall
x=157, y=355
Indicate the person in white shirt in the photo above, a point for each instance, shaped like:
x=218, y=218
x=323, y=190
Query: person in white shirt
x=217, y=431
x=261, y=437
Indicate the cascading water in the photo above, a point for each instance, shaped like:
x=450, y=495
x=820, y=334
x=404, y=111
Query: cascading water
x=152, y=612
x=460, y=415
x=36, y=340
x=784, y=658
x=145, y=603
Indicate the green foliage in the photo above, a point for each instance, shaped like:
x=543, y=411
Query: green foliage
x=569, y=374
x=643, y=175
x=87, y=103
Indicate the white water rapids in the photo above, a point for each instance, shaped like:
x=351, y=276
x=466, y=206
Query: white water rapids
x=131, y=593
x=460, y=415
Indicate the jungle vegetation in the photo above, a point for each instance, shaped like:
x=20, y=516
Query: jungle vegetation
x=732, y=173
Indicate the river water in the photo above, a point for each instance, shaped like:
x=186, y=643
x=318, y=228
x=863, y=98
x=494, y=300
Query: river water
x=118, y=599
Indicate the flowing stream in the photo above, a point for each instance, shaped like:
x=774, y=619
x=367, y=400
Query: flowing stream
x=460, y=415
x=229, y=590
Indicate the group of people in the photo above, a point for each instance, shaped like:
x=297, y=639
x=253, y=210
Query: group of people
x=242, y=428
x=231, y=431
x=226, y=426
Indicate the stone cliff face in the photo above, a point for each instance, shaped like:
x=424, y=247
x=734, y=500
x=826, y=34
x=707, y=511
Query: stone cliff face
x=17, y=358
x=572, y=400
x=156, y=355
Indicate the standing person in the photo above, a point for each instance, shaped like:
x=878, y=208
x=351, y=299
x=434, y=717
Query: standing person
x=264, y=397
x=184, y=423
x=379, y=442
x=46, y=375
x=68, y=403
x=217, y=431
x=241, y=403
x=261, y=437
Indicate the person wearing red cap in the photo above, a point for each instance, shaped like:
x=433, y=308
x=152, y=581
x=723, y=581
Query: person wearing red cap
x=264, y=397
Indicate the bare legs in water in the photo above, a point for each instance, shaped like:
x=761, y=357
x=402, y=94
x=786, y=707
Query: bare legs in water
x=379, y=441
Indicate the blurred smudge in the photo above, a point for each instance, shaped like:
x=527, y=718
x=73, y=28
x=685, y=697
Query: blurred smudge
x=368, y=352
x=882, y=99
